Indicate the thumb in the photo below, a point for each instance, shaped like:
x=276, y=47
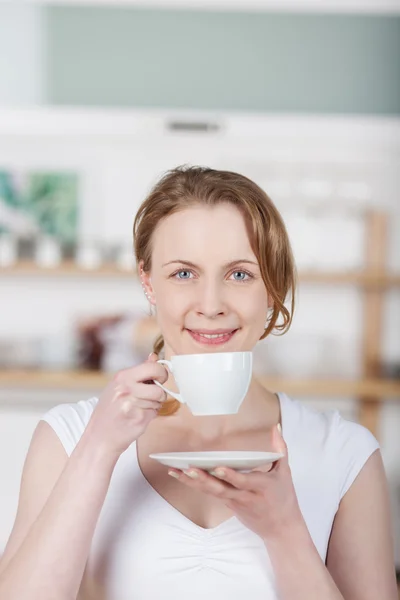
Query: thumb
x=153, y=357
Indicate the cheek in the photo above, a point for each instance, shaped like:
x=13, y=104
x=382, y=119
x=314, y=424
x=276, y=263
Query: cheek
x=255, y=307
x=254, y=313
x=171, y=308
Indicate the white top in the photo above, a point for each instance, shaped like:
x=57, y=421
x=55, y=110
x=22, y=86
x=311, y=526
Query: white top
x=144, y=549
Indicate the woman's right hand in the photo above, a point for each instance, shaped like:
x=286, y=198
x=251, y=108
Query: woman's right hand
x=127, y=405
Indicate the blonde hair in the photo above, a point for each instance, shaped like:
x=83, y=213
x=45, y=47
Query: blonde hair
x=188, y=186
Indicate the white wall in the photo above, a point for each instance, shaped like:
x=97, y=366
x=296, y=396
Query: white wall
x=121, y=154
x=22, y=66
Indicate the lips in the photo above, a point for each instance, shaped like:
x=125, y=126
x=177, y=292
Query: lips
x=212, y=337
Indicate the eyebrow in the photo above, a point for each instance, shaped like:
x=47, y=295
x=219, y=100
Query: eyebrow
x=226, y=266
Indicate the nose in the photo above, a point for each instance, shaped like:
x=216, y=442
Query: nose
x=210, y=300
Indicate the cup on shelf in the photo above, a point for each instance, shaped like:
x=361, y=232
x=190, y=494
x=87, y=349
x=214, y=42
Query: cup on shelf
x=340, y=240
x=19, y=353
x=88, y=255
x=7, y=350
x=26, y=248
x=8, y=250
x=125, y=259
x=110, y=253
x=57, y=352
x=47, y=252
x=311, y=355
x=68, y=251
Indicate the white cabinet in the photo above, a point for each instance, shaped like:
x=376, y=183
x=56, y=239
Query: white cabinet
x=368, y=6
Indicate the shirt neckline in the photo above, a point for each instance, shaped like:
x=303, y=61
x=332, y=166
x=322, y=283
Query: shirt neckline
x=171, y=508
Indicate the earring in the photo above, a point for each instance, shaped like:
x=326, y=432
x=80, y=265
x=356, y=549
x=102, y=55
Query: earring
x=144, y=289
x=145, y=293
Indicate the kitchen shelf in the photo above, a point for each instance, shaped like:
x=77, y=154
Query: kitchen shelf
x=367, y=278
x=373, y=280
x=94, y=380
x=362, y=278
x=67, y=268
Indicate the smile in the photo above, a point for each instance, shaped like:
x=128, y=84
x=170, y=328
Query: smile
x=212, y=336
x=221, y=337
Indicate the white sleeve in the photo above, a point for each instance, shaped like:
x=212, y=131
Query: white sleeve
x=69, y=421
x=354, y=445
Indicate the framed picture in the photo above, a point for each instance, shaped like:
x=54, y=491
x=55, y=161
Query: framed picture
x=40, y=202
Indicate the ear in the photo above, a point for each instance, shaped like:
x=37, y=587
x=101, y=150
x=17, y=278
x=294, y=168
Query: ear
x=145, y=280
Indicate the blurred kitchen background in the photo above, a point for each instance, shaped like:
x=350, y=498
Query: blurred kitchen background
x=97, y=101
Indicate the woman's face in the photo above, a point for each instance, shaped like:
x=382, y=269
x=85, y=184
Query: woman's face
x=205, y=282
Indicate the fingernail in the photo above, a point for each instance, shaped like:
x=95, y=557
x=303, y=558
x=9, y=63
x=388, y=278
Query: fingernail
x=279, y=428
x=150, y=355
x=218, y=473
x=173, y=474
x=192, y=474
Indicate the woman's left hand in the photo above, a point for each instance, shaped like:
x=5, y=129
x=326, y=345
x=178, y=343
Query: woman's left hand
x=264, y=500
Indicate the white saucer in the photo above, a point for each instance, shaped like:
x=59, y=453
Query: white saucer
x=239, y=460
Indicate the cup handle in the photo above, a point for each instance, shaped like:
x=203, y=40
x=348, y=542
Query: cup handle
x=173, y=394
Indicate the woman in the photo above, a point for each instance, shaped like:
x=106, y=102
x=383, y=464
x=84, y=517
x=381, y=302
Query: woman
x=214, y=260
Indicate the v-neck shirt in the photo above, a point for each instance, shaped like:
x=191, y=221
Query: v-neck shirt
x=144, y=549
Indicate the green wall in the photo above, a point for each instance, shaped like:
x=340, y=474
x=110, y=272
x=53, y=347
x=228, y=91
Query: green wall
x=211, y=60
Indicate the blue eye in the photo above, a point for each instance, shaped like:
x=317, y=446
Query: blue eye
x=179, y=273
x=243, y=275
x=186, y=274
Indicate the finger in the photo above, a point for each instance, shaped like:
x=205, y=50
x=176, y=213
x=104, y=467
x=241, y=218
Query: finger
x=130, y=406
x=148, y=404
x=274, y=465
x=250, y=482
x=120, y=389
x=268, y=468
x=149, y=391
x=152, y=358
x=147, y=371
x=203, y=482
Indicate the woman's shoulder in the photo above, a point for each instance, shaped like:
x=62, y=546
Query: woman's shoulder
x=340, y=445
x=69, y=421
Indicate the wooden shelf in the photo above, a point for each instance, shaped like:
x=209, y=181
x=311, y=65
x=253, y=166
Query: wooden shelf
x=362, y=278
x=346, y=388
x=38, y=379
x=373, y=281
x=75, y=380
x=376, y=279
x=68, y=268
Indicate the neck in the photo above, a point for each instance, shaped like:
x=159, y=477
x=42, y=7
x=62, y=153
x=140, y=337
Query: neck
x=259, y=410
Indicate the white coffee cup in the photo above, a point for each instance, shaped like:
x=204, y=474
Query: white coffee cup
x=211, y=384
